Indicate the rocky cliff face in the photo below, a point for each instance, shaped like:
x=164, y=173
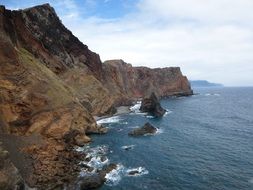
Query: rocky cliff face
x=127, y=82
x=51, y=84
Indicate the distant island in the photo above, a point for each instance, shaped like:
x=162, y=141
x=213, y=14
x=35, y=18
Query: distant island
x=204, y=83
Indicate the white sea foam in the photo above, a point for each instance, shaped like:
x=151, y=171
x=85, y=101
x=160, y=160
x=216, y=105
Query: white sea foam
x=159, y=131
x=167, y=112
x=138, y=113
x=96, y=162
x=133, y=127
x=96, y=156
x=114, y=119
x=98, y=150
x=113, y=177
x=212, y=94
x=150, y=116
x=139, y=171
x=128, y=147
x=136, y=107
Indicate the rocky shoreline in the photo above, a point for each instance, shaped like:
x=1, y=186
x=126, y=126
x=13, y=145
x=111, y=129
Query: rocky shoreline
x=51, y=86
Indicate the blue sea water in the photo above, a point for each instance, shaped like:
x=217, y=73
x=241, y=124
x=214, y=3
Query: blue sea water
x=205, y=142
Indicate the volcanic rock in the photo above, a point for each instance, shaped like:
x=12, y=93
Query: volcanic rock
x=91, y=182
x=107, y=169
x=96, y=180
x=146, y=129
x=134, y=172
x=51, y=85
x=152, y=105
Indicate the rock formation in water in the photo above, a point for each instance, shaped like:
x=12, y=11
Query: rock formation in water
x=51, y=85
x=151, y=105
x=147, y=128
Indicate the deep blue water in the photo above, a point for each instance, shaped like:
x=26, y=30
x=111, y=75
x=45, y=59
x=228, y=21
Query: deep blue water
x=206, y=143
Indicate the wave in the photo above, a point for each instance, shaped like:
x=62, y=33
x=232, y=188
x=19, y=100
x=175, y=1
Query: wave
x=97, y=161
x=138, y=113
x=159, y=131
x=113, y=119
x=98, y=150
x=136, y=107
x=96, y=158
x=211, y=94
x=150, y=116
x=136, y=171
x=114, y=177
x=133, y=127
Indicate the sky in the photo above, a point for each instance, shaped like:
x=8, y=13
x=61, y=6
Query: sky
x=208, y=39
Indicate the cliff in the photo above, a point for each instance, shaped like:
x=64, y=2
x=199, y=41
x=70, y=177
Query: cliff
x=51, y=85
x=128, y=83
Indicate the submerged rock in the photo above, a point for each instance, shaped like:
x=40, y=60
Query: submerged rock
x=134, y=172
x=129, y=147
x=146, y=129
x=152, y=105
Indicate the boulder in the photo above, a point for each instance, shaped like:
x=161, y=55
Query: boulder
x=146, y=129
x=152, y=105
x=134, y=172
x=96, y=180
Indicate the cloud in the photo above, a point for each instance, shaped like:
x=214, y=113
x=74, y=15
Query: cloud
x=204, y=11
x=208, y=39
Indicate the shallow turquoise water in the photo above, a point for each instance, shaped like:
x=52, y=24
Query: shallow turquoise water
x=205, y=142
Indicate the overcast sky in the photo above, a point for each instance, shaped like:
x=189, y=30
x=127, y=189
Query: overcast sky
x=208, y=39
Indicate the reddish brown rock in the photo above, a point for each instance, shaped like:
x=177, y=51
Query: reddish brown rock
x=127, y=83
x=51, y=84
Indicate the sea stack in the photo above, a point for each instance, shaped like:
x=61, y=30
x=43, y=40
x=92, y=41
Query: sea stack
x=146, y=129
x=152, y=105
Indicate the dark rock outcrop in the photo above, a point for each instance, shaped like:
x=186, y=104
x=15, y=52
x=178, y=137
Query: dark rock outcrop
x=91, y=182
x=134, y=172
x=95, y=180
x=152, y=105
x=146, y=129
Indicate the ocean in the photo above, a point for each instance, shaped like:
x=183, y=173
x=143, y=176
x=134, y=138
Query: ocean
x=204, y=141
